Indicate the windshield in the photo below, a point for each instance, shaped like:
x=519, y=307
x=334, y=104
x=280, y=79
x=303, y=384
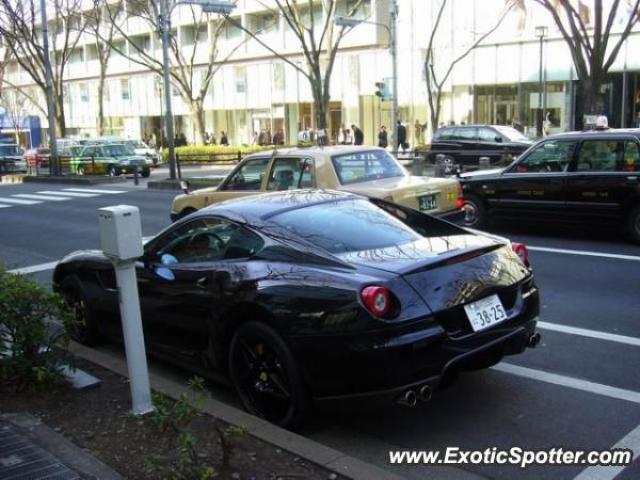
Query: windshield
x=365, y=166
x=346, y=226
x=10, y=150
x=117, y=150
x=511, y=133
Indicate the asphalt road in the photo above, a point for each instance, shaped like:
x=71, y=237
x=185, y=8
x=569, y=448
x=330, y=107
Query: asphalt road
x=580, y=389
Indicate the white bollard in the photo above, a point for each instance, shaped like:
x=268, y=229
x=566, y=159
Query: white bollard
x=121, y=241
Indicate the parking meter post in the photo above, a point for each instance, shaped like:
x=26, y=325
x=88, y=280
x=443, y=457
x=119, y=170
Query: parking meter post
x=121, y=241
x=178, y=167
x=136, y=175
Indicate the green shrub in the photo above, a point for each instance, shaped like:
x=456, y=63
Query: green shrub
x=204, y=153
x=30, y=353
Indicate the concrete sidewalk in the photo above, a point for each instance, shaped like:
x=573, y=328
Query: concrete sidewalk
x=31, y=450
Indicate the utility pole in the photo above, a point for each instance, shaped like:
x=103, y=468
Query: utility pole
x=51, y=106
x=168, y=113
x=393, y=47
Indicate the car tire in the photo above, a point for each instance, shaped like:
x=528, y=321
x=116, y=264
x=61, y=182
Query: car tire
x=145, y=173
x=475, y=212
x=112, y=171
x=83, y=328
x=266, y=376
x=634, y=223
x=186, y=211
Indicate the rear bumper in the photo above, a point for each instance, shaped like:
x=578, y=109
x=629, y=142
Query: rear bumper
x=453, y=216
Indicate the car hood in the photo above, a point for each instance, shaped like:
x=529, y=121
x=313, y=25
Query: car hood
x=397, y=186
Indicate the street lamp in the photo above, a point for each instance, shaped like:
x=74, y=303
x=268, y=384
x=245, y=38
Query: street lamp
x=208, y=6
x=391, y=30
x=541, y=33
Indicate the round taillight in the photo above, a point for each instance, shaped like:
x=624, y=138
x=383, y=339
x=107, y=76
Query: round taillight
x=378, y=300
x=521, y=250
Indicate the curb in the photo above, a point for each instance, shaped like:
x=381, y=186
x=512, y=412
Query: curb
x=75, y=179
x=297, y=444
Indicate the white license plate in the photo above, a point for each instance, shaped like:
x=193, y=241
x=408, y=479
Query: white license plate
x=427, y=202
x=485, y=313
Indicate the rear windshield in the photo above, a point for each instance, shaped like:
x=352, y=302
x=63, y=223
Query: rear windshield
x=511, y=133
x=365, y=166
x=346, y=226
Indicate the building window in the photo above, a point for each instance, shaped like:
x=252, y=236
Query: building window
x=140, y=44
x=76, y=56
x=84, y=92
x=125, y=92
x=232, y=31
x=240, y=75
x=91, y=52
x=264, y=22
x=118, y=48
x=278, y=76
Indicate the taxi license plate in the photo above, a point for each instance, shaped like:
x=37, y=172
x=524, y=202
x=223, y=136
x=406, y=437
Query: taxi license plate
x=485, y=313
x=427, y=202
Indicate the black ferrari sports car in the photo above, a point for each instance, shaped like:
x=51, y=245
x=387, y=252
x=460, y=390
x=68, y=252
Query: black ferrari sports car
x=307, y=298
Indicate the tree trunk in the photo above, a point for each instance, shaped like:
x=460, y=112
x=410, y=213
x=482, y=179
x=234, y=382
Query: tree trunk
x=60, y=121
x=592, y=96
x=101, y=103
x=197, y=113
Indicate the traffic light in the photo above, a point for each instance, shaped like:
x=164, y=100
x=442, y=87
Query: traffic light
x=382, y=91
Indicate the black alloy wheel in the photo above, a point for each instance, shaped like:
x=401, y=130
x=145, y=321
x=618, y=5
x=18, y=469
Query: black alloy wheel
x=82, y=327
x=475, y=213
x=145, y=173
x=265, y=375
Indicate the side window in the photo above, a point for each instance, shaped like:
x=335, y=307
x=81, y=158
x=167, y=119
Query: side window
x=552, y=156
x=600, y=156
x=206, y=240
x=487, y=135
x=291, y=173
x=464, y=134
x=249, y=176
x=89, y=152
x=631, y=161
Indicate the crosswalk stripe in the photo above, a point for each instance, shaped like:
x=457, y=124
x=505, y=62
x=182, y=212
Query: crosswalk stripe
x=92, y=190
x=18, y=201
x=41, y=197
x=69, y=194
x=5, y=206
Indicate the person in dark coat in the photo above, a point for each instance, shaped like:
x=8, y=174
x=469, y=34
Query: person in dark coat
x=223, y=139
x=358, y=136
x=401, y=137
x=382, y=137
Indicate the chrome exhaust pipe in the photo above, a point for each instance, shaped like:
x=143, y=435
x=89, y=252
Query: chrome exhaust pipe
x=408, y=399
x=424, y=393
x=534, y=340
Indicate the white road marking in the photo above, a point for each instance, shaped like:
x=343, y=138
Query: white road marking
x=584, y=253
x=631, y=441
x=69, y=194
x=41, y=197
x=18, y=201
x=92, y=190
x=584, y=332
x=565, y=381
x=35, y=268
x=5, y=206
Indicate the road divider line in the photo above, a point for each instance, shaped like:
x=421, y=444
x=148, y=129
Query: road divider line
x=584, y=253
x=5, y=206
x=584, y=332
x=631, y=441
x=17, y=201
x=92, y=190
x=41, y=197
x=570, y=382
x=69, y=194
x=35, y=268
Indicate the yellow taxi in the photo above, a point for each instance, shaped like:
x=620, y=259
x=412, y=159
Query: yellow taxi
x=369, y=171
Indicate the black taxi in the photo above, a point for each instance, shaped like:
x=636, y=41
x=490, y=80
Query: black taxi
x=589, y=177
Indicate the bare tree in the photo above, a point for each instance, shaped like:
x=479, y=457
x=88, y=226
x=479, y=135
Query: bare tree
x=319, y=45
x=15, y=106
x=435, y=83
x=190, y=78
x=100, y=22
x=595, y=45
x=21, y=29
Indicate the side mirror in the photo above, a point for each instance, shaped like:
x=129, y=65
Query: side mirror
x=498, y=139
x=184, y=186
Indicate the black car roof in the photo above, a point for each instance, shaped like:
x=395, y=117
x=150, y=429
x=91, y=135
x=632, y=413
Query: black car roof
x=597, y=134
x=270, y=204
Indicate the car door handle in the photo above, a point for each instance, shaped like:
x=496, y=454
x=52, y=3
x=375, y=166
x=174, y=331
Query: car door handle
x=202, y=282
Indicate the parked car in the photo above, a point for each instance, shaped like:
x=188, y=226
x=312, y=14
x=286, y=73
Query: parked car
x=369, y=171
x=37, y=157
x=591, y=177
x=10, y=158
x=316, y=297
x=466, y=144
x=144, y=150
x=110, y=159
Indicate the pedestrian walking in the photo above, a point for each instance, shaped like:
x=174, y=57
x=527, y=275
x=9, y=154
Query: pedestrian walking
x=401, y=137
x=382, y=137
x=223, y=139
x=358, y=136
